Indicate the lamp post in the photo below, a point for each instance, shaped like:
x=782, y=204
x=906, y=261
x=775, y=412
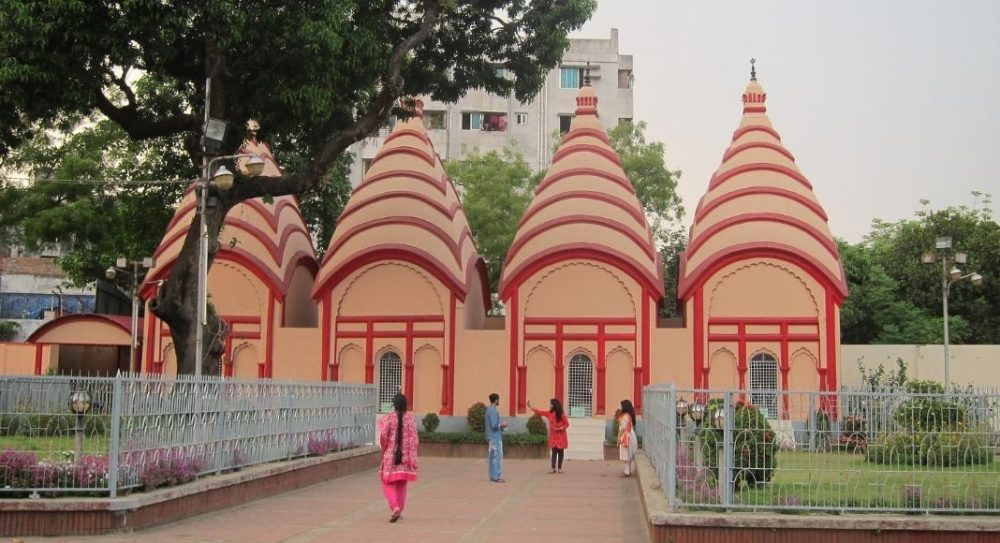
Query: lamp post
x=949, y=276
x=124, y=263
x=79, y=404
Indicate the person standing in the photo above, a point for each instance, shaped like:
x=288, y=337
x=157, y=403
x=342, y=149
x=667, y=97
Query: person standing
x=494, y=437
x=398, y=439
x=558, y=423
x=628, y=444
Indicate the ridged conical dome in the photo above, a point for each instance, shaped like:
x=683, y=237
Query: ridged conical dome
x=406, y=208
x=585, y=207
x=271, y=237
x=759, y=200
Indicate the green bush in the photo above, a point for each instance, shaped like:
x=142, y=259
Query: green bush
x=942, y=449
x=928, y=413
x=754, y=446
x=431, y=422
x=536, y=425
x=476, y=417
x=522, y=438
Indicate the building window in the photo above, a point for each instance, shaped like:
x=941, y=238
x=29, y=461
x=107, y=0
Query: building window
x=570, y=78
x=366, y=164
x=624, y=120
x=565, y=121
x=764, y=384
x=521, y=118
x=390, y=380
x=499, y=71
x=472, y=121
x=581, y=382
x=495, y=122
x=434, y=120
x=625, y=79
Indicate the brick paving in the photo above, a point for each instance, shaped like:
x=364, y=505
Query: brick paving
x=452, y=502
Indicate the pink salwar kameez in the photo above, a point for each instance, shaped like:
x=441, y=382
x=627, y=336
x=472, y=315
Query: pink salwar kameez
x=395, y=476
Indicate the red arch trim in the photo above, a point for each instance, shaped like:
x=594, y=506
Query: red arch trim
x=710, y=232
x=755, y=128
x=733, y=151
x=271, y=217
x=646, y=245
x=438, y=206
x=749, y=191
x=581, y=132
x=422, y=154
x=691, y=282
x=409, y=174
x=635, y=212
x=719, y=179
x=428, y=226
x=572, y=172
x=605, y=152
x=754, y=109
x=125, y=324
x=401, y=132
x=584, y=251
x=378, y=253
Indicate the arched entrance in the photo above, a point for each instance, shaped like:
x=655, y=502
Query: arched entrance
x=764, y=383
x=390, y=380
x=581, y=385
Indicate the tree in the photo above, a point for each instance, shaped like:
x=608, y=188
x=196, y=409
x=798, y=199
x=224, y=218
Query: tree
x=973, y=311
x=8, y=330
x=496, y=188
x=318, y=75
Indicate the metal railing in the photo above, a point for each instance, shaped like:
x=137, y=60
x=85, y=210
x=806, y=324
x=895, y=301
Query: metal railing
x=146, y=431
x=852, y=450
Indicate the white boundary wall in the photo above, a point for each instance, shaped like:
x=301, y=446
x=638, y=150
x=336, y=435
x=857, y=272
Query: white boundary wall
x=970, y=364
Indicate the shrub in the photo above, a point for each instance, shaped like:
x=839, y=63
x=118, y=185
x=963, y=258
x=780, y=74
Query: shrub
x=853, y=434
x=321, y=443
x=932, y=449
x=431, y=422
x=522, y=438
x=754, y=446
x=170, y=468
x=536, y=425
x=476, y=417
x=928, y=413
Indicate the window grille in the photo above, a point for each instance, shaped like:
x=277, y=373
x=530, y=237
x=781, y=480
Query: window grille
x=390, y=380
x=581, y=379
x=764, y=384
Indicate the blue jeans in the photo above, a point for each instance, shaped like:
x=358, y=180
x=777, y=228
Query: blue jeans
x=496, y=458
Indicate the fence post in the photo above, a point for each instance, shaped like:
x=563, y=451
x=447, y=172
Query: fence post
x=811, y=431
x=725, y=460
x=670, y=419
x=115, y=444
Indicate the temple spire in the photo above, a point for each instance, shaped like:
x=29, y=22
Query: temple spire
x=586, y=75
x=753, y=69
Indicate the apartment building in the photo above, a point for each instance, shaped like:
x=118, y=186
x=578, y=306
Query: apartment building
x=488, y=122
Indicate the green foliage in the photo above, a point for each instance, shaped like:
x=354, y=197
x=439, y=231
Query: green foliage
x=754, y=445
x=931, y=413
x=476, y=417
x=896, y=299
x=431, y=422
x=882, y=380
x=8, y=330
x=536, y=425
x=933, y=448
x=496, y=188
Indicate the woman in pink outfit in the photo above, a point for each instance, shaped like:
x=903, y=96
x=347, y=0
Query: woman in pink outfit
x=398, y=438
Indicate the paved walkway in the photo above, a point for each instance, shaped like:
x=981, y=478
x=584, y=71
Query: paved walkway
x=453, y=502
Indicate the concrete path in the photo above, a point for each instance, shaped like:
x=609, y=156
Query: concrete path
x=453, y=502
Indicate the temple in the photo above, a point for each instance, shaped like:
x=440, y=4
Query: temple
x=401, y=297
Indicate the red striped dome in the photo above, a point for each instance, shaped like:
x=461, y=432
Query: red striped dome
x=270, y=238
x=585, y=207
x=406, y=208
x=759, y=202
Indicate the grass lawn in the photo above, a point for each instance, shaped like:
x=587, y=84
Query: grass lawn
x=836, y=481
x=53, y=448
x=845, y=480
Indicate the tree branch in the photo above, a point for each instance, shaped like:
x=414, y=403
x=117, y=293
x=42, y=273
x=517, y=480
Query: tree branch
x=361, y=128
x=138, y=128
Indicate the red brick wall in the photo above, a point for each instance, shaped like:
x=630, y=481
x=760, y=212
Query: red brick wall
x=690, y=534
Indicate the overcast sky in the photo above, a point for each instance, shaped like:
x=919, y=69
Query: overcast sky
x=882, y=103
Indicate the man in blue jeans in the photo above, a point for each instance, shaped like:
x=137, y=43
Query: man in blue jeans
x=494, y=436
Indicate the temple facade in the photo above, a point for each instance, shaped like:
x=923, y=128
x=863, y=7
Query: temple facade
x=400, y=299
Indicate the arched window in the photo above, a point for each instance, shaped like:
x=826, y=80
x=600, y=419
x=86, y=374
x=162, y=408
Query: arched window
x=764, y=384
x=581, y=383
x=390, y=379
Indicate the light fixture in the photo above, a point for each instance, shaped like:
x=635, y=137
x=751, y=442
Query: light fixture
x=111, y=273
x=719, y=419
x=976, y=280
x=223, y=178
x=955, y=274
x=79, y=401
x=943, y=242
x=697, y=412
x=928, y=257
x=254, y=166
x=961, y=258
x=681, y=408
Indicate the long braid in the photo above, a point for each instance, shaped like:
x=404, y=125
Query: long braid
x=399, y=402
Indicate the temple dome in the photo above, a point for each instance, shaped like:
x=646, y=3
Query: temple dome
x=758, y=202
x=270, y=238
x=406, y=208
x=585, y=207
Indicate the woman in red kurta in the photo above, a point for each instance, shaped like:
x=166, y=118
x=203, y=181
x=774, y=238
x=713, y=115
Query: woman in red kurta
x=398, y=439
x=558, y=422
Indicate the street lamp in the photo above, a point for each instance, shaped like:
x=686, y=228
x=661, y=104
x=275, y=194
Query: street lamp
x=949, y=276
x=124, y=263
x=79, y=404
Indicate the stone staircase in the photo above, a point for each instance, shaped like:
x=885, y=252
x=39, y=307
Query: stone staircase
x=586, y=438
